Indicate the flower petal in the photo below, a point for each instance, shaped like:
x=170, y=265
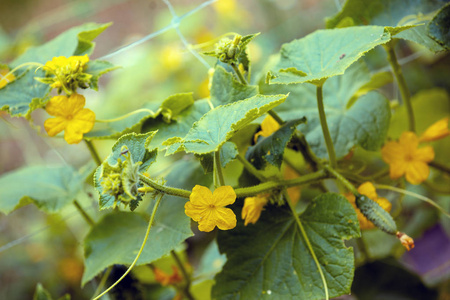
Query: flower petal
x=417, y=172
x=436, y=131
x=409, y=140
x=223, y=196
x=75, y=104
x=392, y=151
x=72, y=136
x=53, y=126
x=384, y=203
x=56, y=106
x=83, y=121
x=194, y=211
x=225, y=218
x=368, y=189
x=425, y=154
x=397, y=169
x=201, y=196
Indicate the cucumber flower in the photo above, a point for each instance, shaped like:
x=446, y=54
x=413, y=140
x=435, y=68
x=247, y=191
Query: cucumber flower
x=70, y=116
x=268, y=126
x=436, y=131
x=253, y=207
x=367, y=189
x=208, y=209
x=69, y=73
x=406, y=158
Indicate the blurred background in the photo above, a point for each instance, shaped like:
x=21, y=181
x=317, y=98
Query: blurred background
x=35, y=247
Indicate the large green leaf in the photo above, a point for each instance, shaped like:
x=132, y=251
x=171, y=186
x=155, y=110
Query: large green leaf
x=270, y=260
x=117, y=238
x=218, y=125
x=178, y=127
x=438, y=28
x=226, y=89
x=97, y=68
x=49, y=188
x=390, y=13
x=271, y=149
x=363, y=123
x=75, y=41
x=137, y=146
x=325, y=53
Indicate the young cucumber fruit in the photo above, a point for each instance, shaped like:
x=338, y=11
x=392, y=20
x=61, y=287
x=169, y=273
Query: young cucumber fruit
x=376, y=214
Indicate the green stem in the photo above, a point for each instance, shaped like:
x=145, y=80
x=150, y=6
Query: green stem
x=342, y=180
x=239, y=74
x=324, y=125
x=165, y=189
x=308, y=243
x=93, y=152
x=21, y=66
x=440, y=167
x=83, y=213
x=404, y=91
x=218, y=169
x=250, y=168
x=276, y=117
x=186, y=276
x=281, y=184
x=127, y=115
x=152, y=217
x=103, y=280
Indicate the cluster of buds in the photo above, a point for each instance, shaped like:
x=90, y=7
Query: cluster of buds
x=68, y=73
x=229, y=51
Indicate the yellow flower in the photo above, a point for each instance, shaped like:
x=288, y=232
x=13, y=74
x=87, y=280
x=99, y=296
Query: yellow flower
x=405, y=158
x=69, y=73
x=252, y=209
x=4, y=80
x=70, y=116
x=294, y=192
x=368, y=190
x=268, y=126
x=436, y=131
x=208, y=209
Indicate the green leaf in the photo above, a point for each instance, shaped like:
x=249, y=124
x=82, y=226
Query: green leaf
x=118, y=236
x=23, y=95
x=271, y=149
x=175, y=104
x=392, y=13
x=178, y=127
x=218, y=125
x=226, y=89
x=438, y=28
x=270, y=260
x=364, y=123
x=325, y=53
x=41, y=293
x=211, y=262
x=228, y=153
x=137, y=146
x=49, y=188
x=377, y=80
x=97, y=68
x=75, y=41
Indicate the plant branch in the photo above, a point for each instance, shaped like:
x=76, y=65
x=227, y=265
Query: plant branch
x=218, y=169
x=93, y=152
x=404, y=91
x=239, y=74
x=324, y=125
x=342, y=179
x=186, y=276
x=251, y=169
x=440, y=167
x=83, y=213
x=165, y=189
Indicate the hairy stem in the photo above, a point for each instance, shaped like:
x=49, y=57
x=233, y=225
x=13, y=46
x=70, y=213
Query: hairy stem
x=404, y=91
x=155, y=208
x=83, y=213
x=239, y=74
x=165, y=189
x=218, y=170
x=250, y=168
x=324, y=125
x=342, y=180
x=276, y=117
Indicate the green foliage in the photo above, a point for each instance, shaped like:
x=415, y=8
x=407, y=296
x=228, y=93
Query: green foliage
x=229, y=51
x=393, y=13
x=364, y=123
x=228, y=153
x=271, y=149
x=439, y=25
x=226, y=89
x=218, y=125
x=42, y=294
x=97, y=68
x=283, y=268
x=50, y=191
x=174, y=105
x=325, y=53
x=117, y=179
x=170, y=229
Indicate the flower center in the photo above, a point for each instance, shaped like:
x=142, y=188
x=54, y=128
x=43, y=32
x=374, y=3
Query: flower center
x=69, y=117
x=212, y=206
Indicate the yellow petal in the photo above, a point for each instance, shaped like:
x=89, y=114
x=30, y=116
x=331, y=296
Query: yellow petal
x=201, y=196
x=83, y=121
x=384, y=203
x=436, y=131
x=397, y=169
x=368, y=189
x=425, y=154
x=252, y=209
x=392, y=151
x=225, y=218
x=417, y=172
x=74, y=104
x=194, y=211
x=409, y=140
x=223, y=196
x=53, y=126
x=56, y=106
x=268, y=126
x=72, y=137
